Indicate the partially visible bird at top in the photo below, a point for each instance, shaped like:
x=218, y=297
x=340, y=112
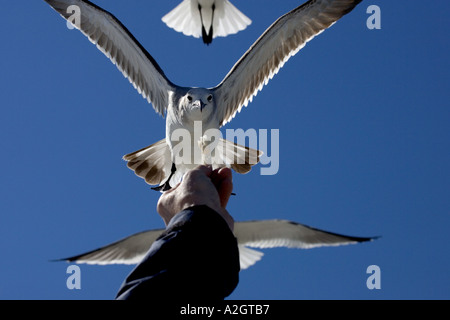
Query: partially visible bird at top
x=206, y=18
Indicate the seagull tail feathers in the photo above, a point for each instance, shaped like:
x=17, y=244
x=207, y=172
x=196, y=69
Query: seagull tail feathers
x=238, y=157
x=248, y=257
x=151, y=163
x=223, y=20
x=229, y=20
x=184, y=18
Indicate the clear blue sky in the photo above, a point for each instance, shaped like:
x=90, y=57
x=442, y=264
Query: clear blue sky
x=363, y=117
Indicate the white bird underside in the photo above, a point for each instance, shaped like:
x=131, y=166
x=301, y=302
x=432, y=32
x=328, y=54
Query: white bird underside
x=197, y=18
x=250, y=234
x=283, y=39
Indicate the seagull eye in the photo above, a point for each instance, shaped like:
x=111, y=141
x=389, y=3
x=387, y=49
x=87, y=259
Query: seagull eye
x=209, y=98
x=189, y=98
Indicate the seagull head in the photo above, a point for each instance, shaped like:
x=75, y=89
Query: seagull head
x=198, y=103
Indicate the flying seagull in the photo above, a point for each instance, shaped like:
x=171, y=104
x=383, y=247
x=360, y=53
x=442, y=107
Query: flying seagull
x=206, y=18
x=161, y=163
x=250, y=234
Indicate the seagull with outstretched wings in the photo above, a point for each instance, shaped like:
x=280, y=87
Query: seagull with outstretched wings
x=160, y=163
x=207, y=19
x=249, y=234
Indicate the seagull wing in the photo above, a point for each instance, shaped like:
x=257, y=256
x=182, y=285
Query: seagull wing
x=132, y=249
x=256, y=234
x=284, y=233
x=113, y=39
x=129, y=250
x=283, y=39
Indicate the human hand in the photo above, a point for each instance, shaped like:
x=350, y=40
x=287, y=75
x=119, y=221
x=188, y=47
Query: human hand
x=200, y=186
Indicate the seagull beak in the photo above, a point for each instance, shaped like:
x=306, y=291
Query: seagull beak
x=199, y=104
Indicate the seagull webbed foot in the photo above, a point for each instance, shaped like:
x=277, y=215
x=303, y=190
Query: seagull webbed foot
x=166, y=186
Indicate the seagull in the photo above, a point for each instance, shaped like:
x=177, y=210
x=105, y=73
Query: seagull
x=206, y=18
x=249, y=234
x=160, y=163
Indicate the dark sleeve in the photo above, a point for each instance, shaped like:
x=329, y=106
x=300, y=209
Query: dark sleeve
x=196, y=257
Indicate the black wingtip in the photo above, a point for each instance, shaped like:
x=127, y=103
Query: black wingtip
x=61, y=260
x=74, y=259
x=356, y=2
x=374, y=238
x=351, y=238
x=364, y=239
